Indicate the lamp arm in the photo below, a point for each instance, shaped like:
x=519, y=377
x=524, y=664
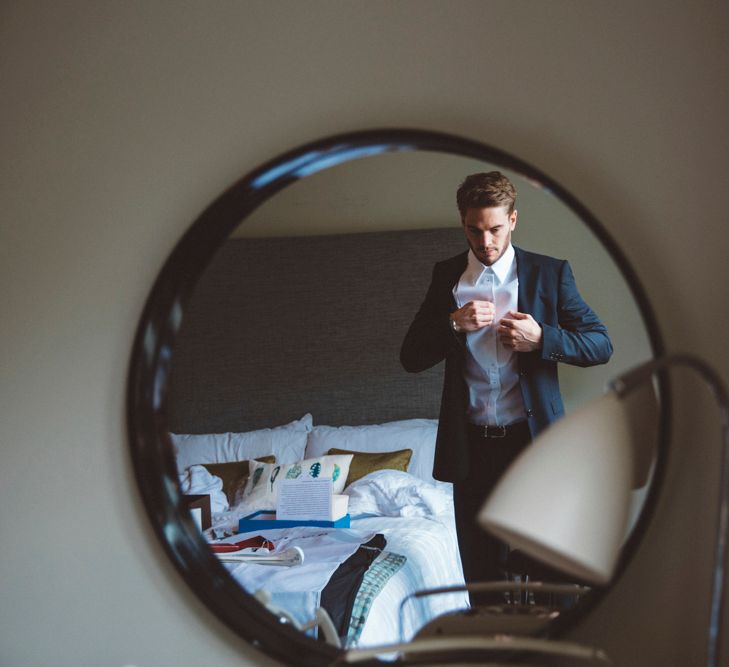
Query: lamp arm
x=321, y=618
x=490, y=587
x=622, y=386
x=449, y=650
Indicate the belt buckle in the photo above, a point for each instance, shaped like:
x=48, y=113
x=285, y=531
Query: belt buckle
x=494, y=431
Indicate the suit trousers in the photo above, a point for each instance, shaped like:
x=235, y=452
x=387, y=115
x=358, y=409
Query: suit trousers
x=482, y=556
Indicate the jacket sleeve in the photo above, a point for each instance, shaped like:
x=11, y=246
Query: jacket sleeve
x=431, y=338
x=581, y=339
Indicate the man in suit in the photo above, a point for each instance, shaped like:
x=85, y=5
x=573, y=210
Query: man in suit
x=502, y=318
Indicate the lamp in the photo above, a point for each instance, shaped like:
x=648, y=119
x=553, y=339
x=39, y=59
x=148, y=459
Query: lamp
x=599, y=454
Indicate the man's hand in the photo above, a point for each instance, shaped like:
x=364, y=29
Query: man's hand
x=520, y=332
x=473, y=316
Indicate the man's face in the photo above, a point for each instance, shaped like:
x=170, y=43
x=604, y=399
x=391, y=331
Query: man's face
x=488, y=231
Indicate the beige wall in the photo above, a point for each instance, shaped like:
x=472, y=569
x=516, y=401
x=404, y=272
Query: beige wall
x=121, y=121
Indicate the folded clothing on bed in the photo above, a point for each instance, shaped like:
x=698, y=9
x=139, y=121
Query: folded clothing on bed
x=340, y=593
x=298, y=589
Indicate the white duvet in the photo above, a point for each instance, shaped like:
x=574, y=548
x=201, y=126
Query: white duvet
x=395, y=493
x=416, y=518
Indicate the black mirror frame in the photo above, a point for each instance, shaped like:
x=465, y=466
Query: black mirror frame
x=151, y=448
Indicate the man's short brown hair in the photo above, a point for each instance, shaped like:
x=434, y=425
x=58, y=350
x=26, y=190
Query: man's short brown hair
x=485, y=190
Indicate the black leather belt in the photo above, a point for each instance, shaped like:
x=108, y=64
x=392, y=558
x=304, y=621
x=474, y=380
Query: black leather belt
x=486, y=431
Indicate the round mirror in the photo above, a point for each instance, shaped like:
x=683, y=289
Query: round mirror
x=274, y=331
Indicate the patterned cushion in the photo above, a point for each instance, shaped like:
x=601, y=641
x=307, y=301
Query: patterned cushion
x=234, y=475
x=261, y=492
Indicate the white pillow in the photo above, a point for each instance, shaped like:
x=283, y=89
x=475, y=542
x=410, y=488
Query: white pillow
x=416, y=434
x=396, y=493
x=261, y=492
x=196, y=480
x=286, y=443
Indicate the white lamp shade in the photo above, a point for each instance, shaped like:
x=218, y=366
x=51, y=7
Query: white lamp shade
x=565, y=501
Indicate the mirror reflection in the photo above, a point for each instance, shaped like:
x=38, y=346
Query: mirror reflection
x=287, y=372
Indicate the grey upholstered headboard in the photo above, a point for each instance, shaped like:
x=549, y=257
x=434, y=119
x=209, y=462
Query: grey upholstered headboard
x=280, y=327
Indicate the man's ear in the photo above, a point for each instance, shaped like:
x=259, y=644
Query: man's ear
x=512, y=218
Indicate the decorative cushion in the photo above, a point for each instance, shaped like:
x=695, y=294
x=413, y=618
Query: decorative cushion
x=234, y=475
x=261, y=492
x=364, y=463
x=417, y=435
x=286, y=443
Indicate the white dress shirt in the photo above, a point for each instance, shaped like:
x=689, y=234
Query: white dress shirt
x=491, y=370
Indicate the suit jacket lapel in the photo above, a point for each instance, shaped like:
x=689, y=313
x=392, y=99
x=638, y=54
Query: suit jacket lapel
x=527, y=273
x=455, y=271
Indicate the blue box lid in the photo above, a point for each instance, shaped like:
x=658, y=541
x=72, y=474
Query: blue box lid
x=265, y=520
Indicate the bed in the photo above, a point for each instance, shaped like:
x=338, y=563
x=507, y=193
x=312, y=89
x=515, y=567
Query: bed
x=403, y=505
x=246, y=385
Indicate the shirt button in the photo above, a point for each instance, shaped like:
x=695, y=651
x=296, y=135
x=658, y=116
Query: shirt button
x=530, y=413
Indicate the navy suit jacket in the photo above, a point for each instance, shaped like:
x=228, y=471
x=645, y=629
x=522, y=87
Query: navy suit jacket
x=572, y=333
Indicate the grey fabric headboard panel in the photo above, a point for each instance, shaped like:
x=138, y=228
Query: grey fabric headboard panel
x=280, y=327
